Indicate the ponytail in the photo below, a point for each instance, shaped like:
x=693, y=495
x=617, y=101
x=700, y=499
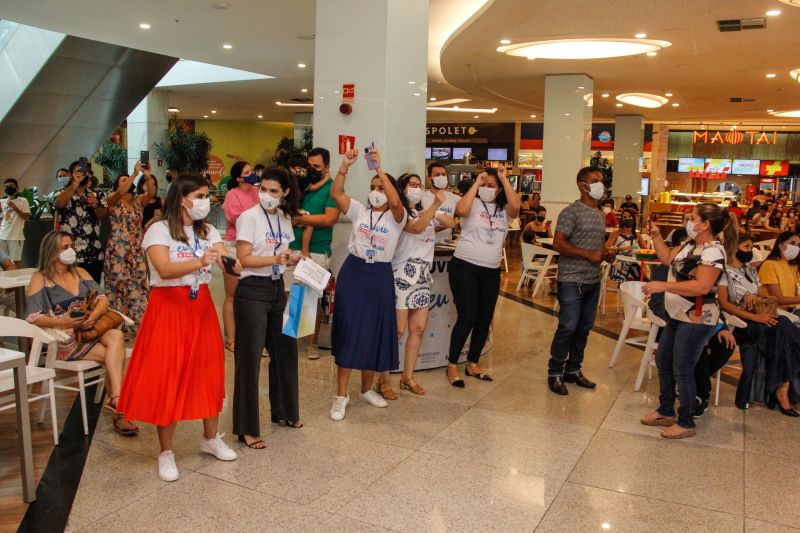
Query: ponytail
x=730, y=233
x=723, y=224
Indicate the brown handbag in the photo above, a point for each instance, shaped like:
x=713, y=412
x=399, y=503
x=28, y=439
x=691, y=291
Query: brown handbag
x=766, y=305
x=110, y=320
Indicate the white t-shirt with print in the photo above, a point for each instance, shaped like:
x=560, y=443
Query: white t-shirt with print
x=179, y=252
x=253, y=227
x=448, y=208
x=483, y=232
x=373, y=229
x=12, y=226
x=416, y=245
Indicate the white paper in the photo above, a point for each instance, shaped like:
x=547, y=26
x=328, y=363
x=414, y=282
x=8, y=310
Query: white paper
x=313, y=275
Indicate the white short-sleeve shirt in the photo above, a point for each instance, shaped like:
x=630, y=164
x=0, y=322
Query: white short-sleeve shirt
x=269, y=234
x=483, y=232
x=416, y=245
x=13, y=225
x=448, y=208
x=373, y=230
x=179, y=252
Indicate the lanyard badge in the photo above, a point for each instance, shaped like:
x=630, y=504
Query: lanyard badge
x=372, y=225
x=492, y=229
x=276, y=268
x=195, y=288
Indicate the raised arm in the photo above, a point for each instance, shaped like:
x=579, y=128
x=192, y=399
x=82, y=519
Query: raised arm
x=514, y=203
x=664, y=253
x=341, y=198
x=63, y=198
x=392, y=196
x=419, y=224
x=464, y=206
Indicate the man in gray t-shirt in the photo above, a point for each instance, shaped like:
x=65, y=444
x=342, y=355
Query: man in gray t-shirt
x=580, y=240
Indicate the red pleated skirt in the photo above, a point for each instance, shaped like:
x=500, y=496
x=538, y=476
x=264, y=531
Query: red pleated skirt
x=177, y=369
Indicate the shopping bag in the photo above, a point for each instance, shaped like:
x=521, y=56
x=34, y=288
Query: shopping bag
x=300, y=316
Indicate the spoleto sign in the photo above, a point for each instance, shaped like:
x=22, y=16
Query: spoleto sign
x=451, y=130
x=735, y=137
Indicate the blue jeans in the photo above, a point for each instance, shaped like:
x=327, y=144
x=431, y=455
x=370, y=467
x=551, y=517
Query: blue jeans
x=577, y=308
x=679, y=349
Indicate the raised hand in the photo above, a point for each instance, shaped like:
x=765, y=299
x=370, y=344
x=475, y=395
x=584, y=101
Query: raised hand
x=350, y=157
x=124, y=184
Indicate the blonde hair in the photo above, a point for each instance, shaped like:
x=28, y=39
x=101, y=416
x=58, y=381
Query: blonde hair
x=48, y=254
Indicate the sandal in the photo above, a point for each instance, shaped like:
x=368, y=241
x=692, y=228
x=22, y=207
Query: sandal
x=411, y=386
x=253, y=445
x=678, y=432
x=131, y=431
x=657, y=419
x=296, y=424
x=385, y=390
x=111, y=405
x=483, y=376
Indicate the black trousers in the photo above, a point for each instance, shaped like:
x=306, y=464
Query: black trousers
x=475, y=290
x=714, y=356
x=95, y=269
x=258, y=305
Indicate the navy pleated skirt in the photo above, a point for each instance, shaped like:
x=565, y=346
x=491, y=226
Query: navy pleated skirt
x=364, y=321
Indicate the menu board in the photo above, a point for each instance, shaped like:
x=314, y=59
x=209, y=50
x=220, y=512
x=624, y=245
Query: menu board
x=747, y=167
x=458, y=153
x=427, y=152
x=774, y=168
x=440, y=152
x=691, y=164
x=718, y=165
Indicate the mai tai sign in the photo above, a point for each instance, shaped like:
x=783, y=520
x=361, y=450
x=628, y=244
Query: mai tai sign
x=735, y=137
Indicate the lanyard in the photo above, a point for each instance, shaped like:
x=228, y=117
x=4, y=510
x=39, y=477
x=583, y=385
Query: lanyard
x=279, y=236
x=373, y=225
x=491, y=217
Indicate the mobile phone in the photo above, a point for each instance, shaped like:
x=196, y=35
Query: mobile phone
x=84, y=163
x=372, y=165
x=77, y=313
x=144, y=158
x=229, y=263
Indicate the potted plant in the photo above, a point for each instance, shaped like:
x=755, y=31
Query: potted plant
x=606, y=167
x=114, y=160
x=40, y=223
x=186, y=151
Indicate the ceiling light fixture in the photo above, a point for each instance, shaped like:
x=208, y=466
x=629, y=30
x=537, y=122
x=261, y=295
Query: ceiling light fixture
x=505, y=41
x=652, y=54
x=463, y=109
x=213, y=111
x=301, y=65
x=619, y=105
x=433, y=98
x=583, y=48
x=227, y=46
x=173, y=110
x=219, y=5
x=279, y=103
x=144, y=26
x=605, y=95
x=770, y=110
x=450, y=101
x=676, y=104
x=787, y=114
x=581, y=87
x=205, y=116
x=795, y=74
x=303, y=90
x=416, y=94
x=771, y=75
x=260, y=116
x=773, y=12
x=651, y=101
x=412, y=82
x=533, y=116
x=476, y=116
x=667, y=94
x=641, y=35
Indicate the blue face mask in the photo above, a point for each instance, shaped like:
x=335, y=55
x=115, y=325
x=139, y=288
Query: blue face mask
x=63, y=181
x=252, y=179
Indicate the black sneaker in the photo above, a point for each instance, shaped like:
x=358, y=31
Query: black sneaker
x=700, y=407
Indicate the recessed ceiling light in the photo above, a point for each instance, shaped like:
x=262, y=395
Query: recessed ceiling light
x=219, y=5
x=531, y=58
x=205, y=116
x=301, y=65
x=787, y=114
x=771, y=75
x=652, y=54
x=583, y=48
x=642, y=100
x=213, y=111
x=260, y=116
x=227, y=46
x=581, y=87
x=412, y=82
x=505, y=41
x=667, y=94
x=619, y=105
x=641, y=35
x=770, y=110
x=281, y=104
x=676, y=104
x=773, y=12
x=303, y=90
x=476, y=116
x=144, y=26
x=433, y=98
x=533, y=116
x=795, y=74
x=416, y=94
x=605, y=95
x=173, y=110
x=566, y=114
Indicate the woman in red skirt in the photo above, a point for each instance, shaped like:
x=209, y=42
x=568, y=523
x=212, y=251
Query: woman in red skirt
x=177, y=370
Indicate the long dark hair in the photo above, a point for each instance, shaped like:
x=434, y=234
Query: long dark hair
x=402, y=183
x=236, y=173
x=775, y=253
x=722, y=222
x=291, y=202
x=500, y=199
x=632, y=213
x=393, y=181
x=185, y=185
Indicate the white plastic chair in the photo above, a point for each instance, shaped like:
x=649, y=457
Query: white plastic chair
x=81, y=373
x=535, y=270
x=648, y=357
x=732, y=322
x=14, y=327
x=766, y=245
x=636, y=317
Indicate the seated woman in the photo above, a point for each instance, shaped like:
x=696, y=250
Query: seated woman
x=539, y=227
x=58, y=289
x=779, y=273
x=771, y=337
x=623, y=239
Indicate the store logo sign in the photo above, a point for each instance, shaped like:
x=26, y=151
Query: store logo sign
x=604, y=136
x=735, y=137
x=451, y=130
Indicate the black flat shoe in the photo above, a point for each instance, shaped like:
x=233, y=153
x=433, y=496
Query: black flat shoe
x=556, y=385
x=481, y=376
x=789, y=412
x=457, y=382
x=580, y=380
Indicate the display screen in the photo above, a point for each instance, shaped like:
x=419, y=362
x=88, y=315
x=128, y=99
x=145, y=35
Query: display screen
x=747, y=167
x=691, y=164
x=459, y=153
x=774, y=168
x=440, y=153
x=645, y=187
x=498, y=154
x=427, y=152
x=718, y=165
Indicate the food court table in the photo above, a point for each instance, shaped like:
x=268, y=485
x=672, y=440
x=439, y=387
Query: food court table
x=641, y=262
x=15, y=361
x=18, y=280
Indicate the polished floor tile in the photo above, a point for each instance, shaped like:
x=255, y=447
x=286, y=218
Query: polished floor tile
x=770, y=433
x=433, y=493
x=758, y=526
x=672, y=471
x=582, y=508
x=772, y=489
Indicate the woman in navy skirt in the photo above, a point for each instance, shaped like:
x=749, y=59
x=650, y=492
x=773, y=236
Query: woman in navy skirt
x=364, y=323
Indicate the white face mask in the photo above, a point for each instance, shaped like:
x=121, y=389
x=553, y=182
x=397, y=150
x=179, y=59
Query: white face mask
x=597, y=190
x=414, y=195
x=606, y=210
x=487, y=194
x=268, y=201
x=377, y=198
x=440, y=182
x=63, y=181
x=791, y=251
x=690, y=232
x=68, y=256
x=200, y=208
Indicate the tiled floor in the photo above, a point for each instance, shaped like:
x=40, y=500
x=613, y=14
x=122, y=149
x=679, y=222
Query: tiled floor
x=501, y=456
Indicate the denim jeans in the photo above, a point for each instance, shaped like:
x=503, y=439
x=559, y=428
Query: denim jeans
x=577, y=308
x=679, y=349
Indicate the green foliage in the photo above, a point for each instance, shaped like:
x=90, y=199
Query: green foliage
x=185, y=151
x=39, y=204
x=606, y=167
x=282, y=151
x=113, y=158
x=306, y=142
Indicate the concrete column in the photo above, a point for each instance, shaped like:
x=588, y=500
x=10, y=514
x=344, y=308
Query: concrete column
x=146, y=126
x=381, y=47
x=658, y=161
x=567, y=137
x=628, y=145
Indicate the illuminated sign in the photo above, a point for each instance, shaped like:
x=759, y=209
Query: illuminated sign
x=735, y=137
x=691, y=164
x=774, y=168
x=746, y=167
x=718, y=165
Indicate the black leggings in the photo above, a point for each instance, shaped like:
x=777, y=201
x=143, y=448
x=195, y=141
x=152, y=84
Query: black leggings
x=475, y=289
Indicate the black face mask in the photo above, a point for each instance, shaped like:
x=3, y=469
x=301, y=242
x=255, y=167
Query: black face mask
x=539, y=219
x=313, y=174
x=744, y=257
x=10, y=191
x=84, y=181
x=627, y=223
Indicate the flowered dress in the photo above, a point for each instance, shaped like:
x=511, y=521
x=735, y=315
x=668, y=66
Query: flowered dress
x=125, y=265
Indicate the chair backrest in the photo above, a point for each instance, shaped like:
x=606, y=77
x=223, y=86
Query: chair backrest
x=14, y=327
x=766, y=245
x=538, y=250
x=527, y=254
x=633, y=298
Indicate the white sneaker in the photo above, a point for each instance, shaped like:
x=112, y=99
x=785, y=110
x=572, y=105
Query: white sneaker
x=373, y=398
x=339, y=406
x=167, y=469
x=313, y=352
x=217, y=448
